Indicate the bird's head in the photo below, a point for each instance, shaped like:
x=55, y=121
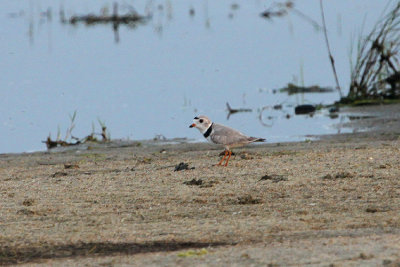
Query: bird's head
x=202, y=123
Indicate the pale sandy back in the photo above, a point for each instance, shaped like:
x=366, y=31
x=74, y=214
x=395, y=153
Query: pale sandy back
x=227, y=136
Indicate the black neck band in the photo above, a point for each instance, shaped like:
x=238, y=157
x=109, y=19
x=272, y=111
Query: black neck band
x=208, y=132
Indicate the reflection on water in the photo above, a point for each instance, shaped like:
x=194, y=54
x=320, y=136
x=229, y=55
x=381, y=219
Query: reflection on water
x=189, y=58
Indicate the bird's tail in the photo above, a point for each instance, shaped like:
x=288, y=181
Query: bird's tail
x=256, y=139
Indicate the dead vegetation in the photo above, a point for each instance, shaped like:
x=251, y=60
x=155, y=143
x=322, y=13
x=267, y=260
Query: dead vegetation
x=376, y=73
x=70, y=140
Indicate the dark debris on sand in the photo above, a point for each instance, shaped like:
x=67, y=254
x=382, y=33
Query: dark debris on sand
x=182, y=166
x=194, y=182
x=276, y=178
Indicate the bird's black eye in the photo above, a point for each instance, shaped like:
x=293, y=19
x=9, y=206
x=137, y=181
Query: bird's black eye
x=201, y=120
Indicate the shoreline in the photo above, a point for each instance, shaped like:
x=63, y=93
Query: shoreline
x=368, y=122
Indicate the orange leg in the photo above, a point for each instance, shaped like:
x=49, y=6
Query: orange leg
x=230, y=154
x=226, y=154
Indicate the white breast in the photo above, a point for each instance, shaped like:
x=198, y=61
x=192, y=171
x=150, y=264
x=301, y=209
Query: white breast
x=209, y=138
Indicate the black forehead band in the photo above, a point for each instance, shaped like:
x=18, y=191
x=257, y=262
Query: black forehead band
x=196, y=118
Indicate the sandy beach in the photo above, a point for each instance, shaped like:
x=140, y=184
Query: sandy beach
x=334, y=201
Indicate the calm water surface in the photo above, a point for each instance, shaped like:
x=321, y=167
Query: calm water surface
x=153, y=78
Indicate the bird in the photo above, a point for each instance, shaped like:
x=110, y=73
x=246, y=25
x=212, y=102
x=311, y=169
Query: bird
x=222, y=135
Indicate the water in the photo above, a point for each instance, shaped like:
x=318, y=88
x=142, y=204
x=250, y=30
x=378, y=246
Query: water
x=159, y=75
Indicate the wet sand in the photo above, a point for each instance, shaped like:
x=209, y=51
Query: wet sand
x=333, y=201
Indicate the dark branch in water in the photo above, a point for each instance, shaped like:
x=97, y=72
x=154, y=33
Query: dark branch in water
x=294, y=89
x=131, y=17
x=234, y=110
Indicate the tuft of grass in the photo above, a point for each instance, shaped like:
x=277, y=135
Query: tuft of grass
x=376, y=72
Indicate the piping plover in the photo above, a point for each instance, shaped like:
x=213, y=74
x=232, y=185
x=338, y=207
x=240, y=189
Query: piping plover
x=222, y=135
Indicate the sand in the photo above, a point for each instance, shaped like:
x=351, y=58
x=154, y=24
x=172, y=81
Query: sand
x=333, y=202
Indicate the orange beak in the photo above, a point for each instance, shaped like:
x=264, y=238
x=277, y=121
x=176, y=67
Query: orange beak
x=192, y=125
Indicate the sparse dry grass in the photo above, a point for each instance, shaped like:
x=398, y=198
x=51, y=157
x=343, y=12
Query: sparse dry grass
x=122, y=202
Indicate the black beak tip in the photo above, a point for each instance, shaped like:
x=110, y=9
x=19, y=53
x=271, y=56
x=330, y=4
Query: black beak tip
x=190, y=126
